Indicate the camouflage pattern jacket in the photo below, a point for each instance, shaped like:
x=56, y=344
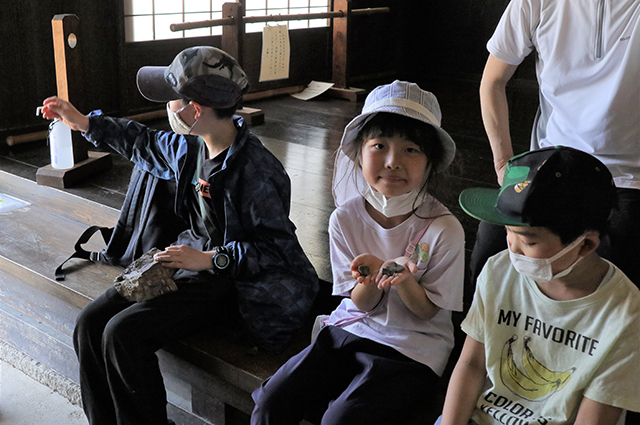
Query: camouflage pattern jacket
x=276, y=283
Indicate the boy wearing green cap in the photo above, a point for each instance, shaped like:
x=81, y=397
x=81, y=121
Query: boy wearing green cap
x=552, y=334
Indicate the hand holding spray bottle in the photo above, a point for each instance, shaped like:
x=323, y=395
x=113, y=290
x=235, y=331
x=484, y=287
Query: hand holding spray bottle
x=60, y=144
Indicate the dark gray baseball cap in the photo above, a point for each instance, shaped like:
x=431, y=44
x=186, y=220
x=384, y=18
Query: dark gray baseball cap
x=204, y=74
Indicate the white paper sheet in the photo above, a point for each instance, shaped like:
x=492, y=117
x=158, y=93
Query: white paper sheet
x=8, y=203
x=315, y=88
x=275, y=53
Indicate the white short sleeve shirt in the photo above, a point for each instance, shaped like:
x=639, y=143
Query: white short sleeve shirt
x=588, y=69
x=441, y=273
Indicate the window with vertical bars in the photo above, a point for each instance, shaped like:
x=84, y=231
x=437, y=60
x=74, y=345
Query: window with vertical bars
x=151, y=19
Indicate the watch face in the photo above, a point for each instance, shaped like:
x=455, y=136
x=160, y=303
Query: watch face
x=221, y=261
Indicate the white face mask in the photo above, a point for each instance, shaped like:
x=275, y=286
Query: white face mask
x=176, y=123
x=394, y=206
x=539, y=269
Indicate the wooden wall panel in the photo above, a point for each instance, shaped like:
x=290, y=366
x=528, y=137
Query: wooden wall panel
x=27, y=67
x=416, y=40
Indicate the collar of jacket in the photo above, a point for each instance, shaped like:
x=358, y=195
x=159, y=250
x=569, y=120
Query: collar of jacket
x=190, y=162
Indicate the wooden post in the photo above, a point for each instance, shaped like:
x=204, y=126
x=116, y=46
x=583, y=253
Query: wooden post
x=340, y=67
x=66, y=51
x=69, y=81
x=232, y=43
x=340, y=37
x=233, y=35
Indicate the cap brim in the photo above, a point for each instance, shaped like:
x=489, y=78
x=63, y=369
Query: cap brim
x=480, y=203
x=153, y=86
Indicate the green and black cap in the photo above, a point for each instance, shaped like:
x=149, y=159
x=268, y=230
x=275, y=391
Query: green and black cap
x=547, y=187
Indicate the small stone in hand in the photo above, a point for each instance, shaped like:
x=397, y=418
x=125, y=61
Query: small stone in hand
x=363, y=270
x=392, y=269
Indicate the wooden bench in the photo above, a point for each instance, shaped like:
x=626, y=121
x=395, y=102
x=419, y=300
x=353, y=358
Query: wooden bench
x=208, y=381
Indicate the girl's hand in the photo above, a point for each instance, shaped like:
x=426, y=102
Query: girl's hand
x=184, y=257
x=372, y=262
x=409, y=268
x=54, y=107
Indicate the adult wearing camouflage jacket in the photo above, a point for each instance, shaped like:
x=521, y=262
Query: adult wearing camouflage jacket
x=239, y=261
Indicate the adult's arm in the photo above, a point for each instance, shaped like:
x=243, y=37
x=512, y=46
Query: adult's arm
x=495, y=111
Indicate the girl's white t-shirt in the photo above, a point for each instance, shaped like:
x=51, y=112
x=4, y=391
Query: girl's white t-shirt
x=440, y=272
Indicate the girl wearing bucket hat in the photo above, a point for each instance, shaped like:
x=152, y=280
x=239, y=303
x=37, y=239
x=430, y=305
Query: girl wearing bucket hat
x=397, y=256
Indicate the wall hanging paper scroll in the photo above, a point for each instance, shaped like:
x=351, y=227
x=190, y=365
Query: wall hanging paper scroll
x=275, y=53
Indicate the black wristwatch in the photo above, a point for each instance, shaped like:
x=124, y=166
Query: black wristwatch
x=220, y=261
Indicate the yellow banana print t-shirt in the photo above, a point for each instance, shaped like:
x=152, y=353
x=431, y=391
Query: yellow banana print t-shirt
x=543, y=355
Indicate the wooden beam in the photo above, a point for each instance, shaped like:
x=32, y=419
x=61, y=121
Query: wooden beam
x=276, y=18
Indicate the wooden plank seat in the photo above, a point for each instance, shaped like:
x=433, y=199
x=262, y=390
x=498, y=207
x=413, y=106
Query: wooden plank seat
x=208, y=381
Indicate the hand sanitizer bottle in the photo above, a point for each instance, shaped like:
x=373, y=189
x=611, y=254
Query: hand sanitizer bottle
x=61, y=145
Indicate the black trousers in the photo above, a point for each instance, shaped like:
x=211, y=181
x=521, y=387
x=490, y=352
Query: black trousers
x=116, y=341
x=342, y=379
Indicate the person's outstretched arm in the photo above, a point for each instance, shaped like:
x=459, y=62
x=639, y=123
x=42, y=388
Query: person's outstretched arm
x=465, y=385
x=495, y=111
x=55, y=107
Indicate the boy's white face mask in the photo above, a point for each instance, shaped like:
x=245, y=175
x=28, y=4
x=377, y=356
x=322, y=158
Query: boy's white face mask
x=539, y=269
x=176, y=123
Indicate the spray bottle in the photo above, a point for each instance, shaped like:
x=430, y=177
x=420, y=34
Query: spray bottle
x=61, y=145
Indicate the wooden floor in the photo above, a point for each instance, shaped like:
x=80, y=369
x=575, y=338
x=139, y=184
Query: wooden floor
x=304, y=135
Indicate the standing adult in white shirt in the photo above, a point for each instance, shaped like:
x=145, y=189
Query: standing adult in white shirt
x=588, y=71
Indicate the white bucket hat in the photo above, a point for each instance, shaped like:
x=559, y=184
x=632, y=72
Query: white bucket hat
x=402, y=98
x=399, y=97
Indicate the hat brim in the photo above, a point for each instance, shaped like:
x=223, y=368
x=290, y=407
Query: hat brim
x=480, y=203
x=152, y=85
x=352, y=130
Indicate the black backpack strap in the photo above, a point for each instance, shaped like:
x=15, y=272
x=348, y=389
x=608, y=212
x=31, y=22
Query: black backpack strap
x=81, y=252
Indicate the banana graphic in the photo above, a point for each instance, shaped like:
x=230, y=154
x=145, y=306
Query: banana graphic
x=537, y=382
x=538, y=372
x=511, y=376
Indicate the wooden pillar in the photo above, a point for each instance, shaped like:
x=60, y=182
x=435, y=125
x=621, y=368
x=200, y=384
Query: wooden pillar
x=340, y=67
x=340, y=41
x=233, y=35
x=67, y=53
x=232, y=43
